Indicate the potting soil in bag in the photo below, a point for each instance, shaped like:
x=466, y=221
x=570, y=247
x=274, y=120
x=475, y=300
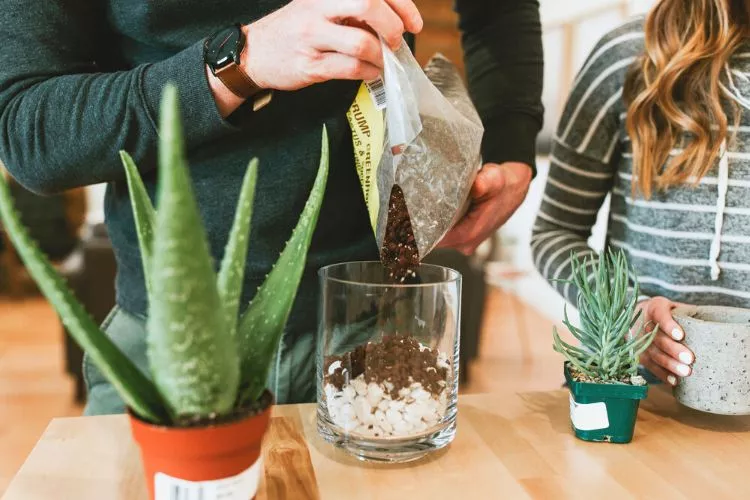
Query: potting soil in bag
x=417, y=141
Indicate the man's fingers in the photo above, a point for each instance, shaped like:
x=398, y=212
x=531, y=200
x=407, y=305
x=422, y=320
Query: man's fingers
x=489, y=181
x=409, y=14
x=377, y=14
x=335, y=66
x=468, y=233
x=354, y=42
x=667, y=362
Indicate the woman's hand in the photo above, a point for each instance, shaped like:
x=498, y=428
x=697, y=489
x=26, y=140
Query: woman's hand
x=313, y=41
x=666, y=358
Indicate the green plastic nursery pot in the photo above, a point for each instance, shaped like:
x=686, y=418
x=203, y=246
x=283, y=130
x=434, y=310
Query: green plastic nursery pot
x=604, y=412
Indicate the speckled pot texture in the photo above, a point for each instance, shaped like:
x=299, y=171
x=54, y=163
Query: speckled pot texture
x=720, y=339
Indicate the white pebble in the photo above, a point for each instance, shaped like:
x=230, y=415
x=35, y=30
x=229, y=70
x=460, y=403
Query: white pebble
x=442, y=407
x=347, y=411
x=360, y=386
x=420, y=426
x=384, y=404
x=401, y=428
x=388, y=386
x=396, y=405
x=333, y=367
x=363, y=410
x=431, y=417
x=349, y=393
x=403, y=392
x=334, y=406
x=386, y=426
x=393, y=416
x=374, y=394
x=442, y=361
x=420, y=394
x=413, y=412
x=349, y=425
x=365, y=430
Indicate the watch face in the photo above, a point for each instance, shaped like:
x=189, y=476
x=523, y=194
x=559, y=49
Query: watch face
x=224, y=47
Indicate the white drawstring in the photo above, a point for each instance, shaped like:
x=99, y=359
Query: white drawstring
x=721, y=203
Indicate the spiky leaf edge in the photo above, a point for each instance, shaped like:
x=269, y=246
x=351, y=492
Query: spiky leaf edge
x=144, y=214
x=262, y=325
x=232, y=271
x=137, y=391
x=206, y=345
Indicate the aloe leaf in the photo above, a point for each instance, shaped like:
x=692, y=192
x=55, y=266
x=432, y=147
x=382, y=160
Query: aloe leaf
x=192, y=356
x=262, y=325
x=143, y=213
x=137, y=391
x=232, y=269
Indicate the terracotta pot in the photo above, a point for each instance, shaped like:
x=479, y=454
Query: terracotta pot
x=216, y=461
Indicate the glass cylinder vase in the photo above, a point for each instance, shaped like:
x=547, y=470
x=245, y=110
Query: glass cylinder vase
x=387, y=360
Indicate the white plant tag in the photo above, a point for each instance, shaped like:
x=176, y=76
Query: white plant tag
x=376, y=88
x=243, y=486
x=588, y=417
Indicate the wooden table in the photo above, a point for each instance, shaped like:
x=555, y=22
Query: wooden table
x=507, y=446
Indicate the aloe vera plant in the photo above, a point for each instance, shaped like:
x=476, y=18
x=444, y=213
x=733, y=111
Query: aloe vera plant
x=206, y=359
x=611, y=344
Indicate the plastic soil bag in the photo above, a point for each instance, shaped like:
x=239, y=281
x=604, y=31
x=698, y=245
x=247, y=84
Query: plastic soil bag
x=417, y=140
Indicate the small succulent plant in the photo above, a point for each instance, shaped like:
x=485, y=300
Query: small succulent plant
x=610, y=342
x=206, y=359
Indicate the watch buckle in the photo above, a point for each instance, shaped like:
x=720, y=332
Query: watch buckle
x=262, y=100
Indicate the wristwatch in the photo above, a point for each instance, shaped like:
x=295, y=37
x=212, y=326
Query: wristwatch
x=222, y=52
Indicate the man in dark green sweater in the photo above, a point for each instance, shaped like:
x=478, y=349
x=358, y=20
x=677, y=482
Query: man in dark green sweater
x=81, y=79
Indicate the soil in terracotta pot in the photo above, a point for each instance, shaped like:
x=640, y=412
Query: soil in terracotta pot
x=248, y=410
x=393, y=388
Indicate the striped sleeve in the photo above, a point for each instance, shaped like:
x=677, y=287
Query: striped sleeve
x=584, y=157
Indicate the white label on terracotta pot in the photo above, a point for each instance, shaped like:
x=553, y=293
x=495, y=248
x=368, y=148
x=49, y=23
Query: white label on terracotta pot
x=588, y=417
x=243, y=486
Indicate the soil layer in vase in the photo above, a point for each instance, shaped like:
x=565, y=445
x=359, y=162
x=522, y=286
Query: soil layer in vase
x=395, y=388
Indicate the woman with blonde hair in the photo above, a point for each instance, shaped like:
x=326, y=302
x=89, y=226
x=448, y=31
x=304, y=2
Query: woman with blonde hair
x=659, y=119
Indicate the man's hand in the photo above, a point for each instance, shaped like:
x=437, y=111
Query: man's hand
x=496, y=194
x=313, y=41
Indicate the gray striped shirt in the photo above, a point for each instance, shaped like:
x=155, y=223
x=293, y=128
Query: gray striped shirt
x=690, y=243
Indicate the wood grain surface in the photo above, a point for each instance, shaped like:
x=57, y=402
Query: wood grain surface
x=507, y=446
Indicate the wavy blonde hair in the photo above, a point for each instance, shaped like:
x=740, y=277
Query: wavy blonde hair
x=674, y=90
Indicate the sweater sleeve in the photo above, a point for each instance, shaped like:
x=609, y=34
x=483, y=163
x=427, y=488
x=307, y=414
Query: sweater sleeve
x=63, y=117
x=502, y=42
x=583, y=163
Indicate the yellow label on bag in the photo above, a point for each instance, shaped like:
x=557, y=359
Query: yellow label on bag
x=366, y=120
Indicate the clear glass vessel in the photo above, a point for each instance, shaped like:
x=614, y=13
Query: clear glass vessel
x=387, y=360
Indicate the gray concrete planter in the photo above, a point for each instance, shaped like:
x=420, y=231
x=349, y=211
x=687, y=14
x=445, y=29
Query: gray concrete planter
x=720, y=339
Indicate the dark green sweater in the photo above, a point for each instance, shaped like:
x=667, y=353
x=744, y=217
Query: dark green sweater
x=81, y=79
